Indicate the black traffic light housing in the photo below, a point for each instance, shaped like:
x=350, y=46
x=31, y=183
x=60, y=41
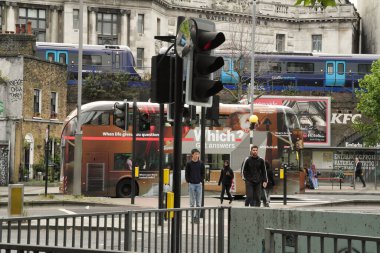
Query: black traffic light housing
x=120, y=114
x=162, y=88
x=195, y=41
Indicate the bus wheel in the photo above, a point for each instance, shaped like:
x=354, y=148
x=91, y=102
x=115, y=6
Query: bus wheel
x=124, y=189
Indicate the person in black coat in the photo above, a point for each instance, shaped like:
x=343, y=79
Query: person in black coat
x=255, y=176
x=267, y=190
x=226, y=177
x=359, y=171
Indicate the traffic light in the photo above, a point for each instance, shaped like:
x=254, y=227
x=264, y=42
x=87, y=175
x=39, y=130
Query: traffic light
x=162, y=88
x=120, y=114
x=195, y=41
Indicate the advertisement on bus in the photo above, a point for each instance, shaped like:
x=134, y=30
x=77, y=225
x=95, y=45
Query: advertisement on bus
x=314, y=114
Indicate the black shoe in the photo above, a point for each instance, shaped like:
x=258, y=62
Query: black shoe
x=230, y=201
x=364, y=186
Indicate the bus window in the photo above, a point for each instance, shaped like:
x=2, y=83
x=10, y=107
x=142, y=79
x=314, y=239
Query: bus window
x=122, y=161
x=96, y=118
x=266, y=66
x=117, y=61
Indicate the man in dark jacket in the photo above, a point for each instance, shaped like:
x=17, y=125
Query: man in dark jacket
x=359, y=171
x=194, y=174
x=255, y=176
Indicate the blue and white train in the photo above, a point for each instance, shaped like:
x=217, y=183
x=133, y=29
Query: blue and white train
x=96, y=58
x=306, y=72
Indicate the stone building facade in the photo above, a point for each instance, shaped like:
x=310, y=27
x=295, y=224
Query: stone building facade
x=281, y=26
x=32, y=97
x=370, y=30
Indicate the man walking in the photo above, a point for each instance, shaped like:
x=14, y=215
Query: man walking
x=359, y=171
x=194, y=174
x=255, y=176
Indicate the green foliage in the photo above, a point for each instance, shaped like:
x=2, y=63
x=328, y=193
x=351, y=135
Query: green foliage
x=311, y=3
x=108, y=86
x=369, y=105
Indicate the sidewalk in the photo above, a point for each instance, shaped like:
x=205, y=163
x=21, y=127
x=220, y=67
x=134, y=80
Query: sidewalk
x=328, y=188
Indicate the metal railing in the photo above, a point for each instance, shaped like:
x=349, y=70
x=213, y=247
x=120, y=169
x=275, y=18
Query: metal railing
x=281, y=240
x=132, y=230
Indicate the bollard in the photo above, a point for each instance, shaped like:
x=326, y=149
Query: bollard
x=15, y=199
x=166, y=176
x=137, y=172
x=170, y=204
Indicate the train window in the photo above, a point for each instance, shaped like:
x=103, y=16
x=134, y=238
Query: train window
x=117, y=61
x=364, y=68
x=62, y=58
x=265, y=66
x=92, y=59
x=226, y=66
x=341, y=69
x=51, y=57
x=300, y=67
x=330, y=68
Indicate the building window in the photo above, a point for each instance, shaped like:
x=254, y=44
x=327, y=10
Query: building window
x=38, y=19
x=140, y=23
x=140, y=58
x=316, y=43
x=107, y=28
x=75, y=19
x=37, y=102
x=158, y=27
x=280, y=42
x=53, y=105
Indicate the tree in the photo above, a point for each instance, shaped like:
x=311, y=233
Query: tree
x=324, y=3
x=369, y=105
x=111, y=86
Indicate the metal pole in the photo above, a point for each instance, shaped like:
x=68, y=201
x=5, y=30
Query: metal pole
x=134, y=153
x=203, y=150
x=177, y=160
x=161, y=160
x=252, y=88
x=47, y=158
x=77, y=178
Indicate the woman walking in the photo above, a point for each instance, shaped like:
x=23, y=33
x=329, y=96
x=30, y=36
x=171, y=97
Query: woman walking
x=226, y=177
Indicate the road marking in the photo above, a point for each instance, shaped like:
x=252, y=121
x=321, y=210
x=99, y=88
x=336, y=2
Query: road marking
x=66, y=211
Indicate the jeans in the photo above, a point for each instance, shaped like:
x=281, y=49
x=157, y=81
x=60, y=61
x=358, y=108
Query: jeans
x=253, y=194
x=195, y=192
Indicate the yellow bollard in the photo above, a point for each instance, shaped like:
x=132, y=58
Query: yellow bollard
x=166, y=176
x=137, y=172
x=15, y=199
x=282, y=173
x=170, y=204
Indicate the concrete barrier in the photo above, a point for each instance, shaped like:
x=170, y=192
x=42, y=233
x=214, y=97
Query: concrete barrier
x=248, y=225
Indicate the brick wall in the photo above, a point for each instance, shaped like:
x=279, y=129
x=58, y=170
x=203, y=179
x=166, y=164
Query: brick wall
x=14, y=44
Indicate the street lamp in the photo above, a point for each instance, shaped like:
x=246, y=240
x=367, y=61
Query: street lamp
x=253, y=119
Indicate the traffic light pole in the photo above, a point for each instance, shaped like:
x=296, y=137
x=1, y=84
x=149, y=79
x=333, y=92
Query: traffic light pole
x=134, y=153
x=252, y=88
x=178, y=111
x=161, y=163
x=203, y=149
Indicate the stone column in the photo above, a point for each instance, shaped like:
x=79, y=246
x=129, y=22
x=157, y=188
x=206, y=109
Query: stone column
x=124, y=33
x=54, y=24
x=10, y=17
x=92, y=34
